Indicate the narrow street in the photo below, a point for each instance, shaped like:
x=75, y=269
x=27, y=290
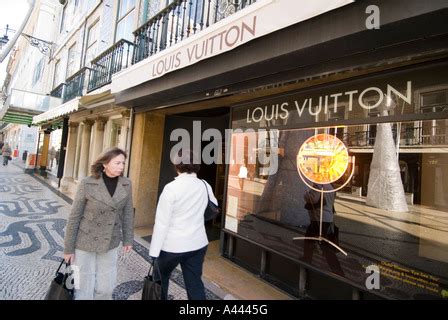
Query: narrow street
x=32, y=225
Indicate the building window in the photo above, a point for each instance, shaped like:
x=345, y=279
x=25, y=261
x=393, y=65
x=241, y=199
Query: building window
x=71, y=62
x=436, y=101
x=38, y=71
x=125, y=20
x=58, y=77
x=68, y=13
x=63, y=18
x=336, y=115
x=434, y=132
x=92, y=39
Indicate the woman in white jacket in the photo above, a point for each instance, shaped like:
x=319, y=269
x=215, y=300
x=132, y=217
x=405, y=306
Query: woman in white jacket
x=179, y=233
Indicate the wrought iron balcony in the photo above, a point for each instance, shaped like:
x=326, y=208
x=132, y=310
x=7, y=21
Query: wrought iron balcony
x=58, y=91
x=425, y=135
x=180, y=20
x=74, y=85
x=111, y=61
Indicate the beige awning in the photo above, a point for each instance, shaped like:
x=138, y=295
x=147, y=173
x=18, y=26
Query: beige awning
x=97, y=97
x=59, y=111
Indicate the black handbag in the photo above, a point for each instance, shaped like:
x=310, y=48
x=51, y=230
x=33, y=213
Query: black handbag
x=152, y=286
x=58, y=288
x=212, y=210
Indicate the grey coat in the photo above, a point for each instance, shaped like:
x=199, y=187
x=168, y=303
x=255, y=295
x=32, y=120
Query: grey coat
x=98, y=222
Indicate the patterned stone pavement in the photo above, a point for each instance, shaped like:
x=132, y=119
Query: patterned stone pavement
x=32, y=223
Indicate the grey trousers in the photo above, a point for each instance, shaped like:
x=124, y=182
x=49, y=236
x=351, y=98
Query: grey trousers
x=97, y=274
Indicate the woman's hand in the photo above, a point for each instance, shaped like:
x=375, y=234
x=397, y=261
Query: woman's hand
x=127, y=249
x=69, y=258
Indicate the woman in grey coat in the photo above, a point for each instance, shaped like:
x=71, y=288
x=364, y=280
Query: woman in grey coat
x=101, y=216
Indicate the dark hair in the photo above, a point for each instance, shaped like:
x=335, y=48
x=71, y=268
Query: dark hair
x=97, y=167
x=185, y=162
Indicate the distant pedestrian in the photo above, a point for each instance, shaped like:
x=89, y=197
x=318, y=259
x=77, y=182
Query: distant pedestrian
x=6, y=153
x=58, y=153
x=242, y=175
x=179, y=233
x=51, y=156
x=102, y=215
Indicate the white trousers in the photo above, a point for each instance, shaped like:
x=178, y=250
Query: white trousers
x=97, y=274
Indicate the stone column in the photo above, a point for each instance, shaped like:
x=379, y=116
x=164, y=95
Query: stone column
x=69, y=165
x=77, y=151
x=124, y=129
x=98, y=138
x=107, y=133
x=147, y=147
x=85, y=147
x=44, y=154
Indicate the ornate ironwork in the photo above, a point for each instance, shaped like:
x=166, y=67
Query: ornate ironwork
x=42, y=45
x=180, y=20
x=109, y=62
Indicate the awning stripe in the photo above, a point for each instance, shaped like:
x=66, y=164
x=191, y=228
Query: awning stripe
x=62, y=110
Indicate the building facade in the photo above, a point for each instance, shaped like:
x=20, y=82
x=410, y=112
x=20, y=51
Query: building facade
x=24, y=91
x=246, y=84
x=262, y=89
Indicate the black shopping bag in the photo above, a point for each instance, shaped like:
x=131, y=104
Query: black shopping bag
x=58, y=288
x=152, y=285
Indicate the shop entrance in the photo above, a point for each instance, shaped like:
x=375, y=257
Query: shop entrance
x=214, y=174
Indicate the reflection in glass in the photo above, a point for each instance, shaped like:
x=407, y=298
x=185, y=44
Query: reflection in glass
x=270, y=210
x=323, y=158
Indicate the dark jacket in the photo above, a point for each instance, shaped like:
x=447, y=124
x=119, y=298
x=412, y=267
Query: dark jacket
x=98, y=222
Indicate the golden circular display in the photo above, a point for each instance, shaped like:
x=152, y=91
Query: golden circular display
x=322, y=158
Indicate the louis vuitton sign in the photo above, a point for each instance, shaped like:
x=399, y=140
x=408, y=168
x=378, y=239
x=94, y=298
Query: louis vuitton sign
x=254, y=21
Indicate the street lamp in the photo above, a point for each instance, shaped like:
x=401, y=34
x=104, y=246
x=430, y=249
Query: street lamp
x=4, y=39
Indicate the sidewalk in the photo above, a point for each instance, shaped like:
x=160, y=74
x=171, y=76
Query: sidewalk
x=222, y=278
x=32, y=221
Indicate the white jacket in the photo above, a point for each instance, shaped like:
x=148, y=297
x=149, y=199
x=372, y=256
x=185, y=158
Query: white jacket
x=179, y=225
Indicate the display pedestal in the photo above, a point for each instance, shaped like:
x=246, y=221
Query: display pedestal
x=322, y=192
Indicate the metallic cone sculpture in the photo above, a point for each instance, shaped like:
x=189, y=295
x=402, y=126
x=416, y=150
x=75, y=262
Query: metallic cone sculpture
x=385, y=188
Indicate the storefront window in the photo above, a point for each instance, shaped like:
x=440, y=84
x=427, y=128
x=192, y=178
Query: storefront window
x=392, y=214
x=54, y=151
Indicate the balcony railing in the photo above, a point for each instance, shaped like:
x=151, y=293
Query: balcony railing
x=409, y=136
x=74, y=85
x=180, y=20
x=58, y=91
x=109, y=62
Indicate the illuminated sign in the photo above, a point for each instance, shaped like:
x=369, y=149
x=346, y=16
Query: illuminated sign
x=323, y=158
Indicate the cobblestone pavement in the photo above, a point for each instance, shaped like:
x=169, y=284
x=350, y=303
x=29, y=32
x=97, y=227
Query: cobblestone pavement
x=32, y=222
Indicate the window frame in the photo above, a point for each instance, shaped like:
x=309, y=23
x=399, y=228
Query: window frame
x=95, y=25
x=123, y=17
x=70, y=72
